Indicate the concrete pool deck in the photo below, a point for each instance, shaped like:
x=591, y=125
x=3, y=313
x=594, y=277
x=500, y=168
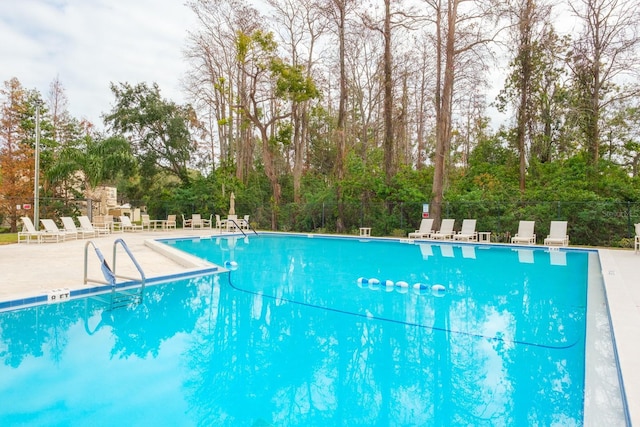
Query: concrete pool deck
x=28, y=270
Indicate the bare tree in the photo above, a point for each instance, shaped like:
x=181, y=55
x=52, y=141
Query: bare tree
x=604, y=55
x=214, y=81
x=58, y=103
x=337, y=12
x=393, y=18
x=458, y=31
x=300, y=24
x=529, y=24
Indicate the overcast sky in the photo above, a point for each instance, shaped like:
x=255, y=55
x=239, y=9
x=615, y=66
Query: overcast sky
x=88, y=44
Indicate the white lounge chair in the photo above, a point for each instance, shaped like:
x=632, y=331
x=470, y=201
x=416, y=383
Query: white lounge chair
x=88, y=227
x=127, y=225
x=51, y=232
x=206, y=223
x=28, y=232
x=525, y=233
x=425, y=230
x=468, y=231
x=637, y=239
x=446, y=230
x=557, y=234
x=70, y=227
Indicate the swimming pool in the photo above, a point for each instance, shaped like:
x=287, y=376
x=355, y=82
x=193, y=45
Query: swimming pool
x=293, y=337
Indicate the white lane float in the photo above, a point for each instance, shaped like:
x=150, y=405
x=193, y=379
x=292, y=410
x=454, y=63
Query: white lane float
x=374, y=284
x=231, y=265
x=438, y=290
x=402, y=287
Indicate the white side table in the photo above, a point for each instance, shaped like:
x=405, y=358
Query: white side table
x=484, y=236
x=365, y=232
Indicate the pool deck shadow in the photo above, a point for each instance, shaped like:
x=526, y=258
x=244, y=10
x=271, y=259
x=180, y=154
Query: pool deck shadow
x=29, y=270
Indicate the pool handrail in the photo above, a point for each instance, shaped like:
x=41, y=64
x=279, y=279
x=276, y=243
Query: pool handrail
x=240, y=228
x=110, y=273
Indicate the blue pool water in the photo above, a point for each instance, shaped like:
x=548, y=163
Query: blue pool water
x=293, y=338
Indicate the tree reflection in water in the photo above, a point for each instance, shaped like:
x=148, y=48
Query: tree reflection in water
x=292, y=340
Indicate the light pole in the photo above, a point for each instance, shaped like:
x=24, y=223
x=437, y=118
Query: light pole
x=36, y=180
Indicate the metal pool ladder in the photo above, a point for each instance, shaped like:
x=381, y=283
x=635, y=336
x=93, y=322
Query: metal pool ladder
x=118, y=299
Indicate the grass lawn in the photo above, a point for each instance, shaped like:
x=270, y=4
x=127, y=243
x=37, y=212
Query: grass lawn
x=7, y=238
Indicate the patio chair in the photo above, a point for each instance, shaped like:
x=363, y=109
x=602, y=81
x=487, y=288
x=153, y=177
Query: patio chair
x=186, y=223
x=446, y=230
x=171, y=222
x=232, y=222
x=145, y=221
x=206, y=223
x=196, y=221
x=86, y=225
x=127, y=225
x=220, y=223
x=525, y=233
x=28, y=232
x=51, y=232
x=244, y=222
x=468, y=231
x=557, y=234
x=70, y=227
x=102, y=222
x=637, y=239
x=425, y=230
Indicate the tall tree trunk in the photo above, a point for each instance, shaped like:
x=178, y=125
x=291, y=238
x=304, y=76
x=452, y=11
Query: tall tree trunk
x=524, y=87
x=340, y=126
x=389, y=149
x=271, y=171
x=443, y=113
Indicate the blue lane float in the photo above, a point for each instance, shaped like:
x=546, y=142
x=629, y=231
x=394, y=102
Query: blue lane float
x=419, y=291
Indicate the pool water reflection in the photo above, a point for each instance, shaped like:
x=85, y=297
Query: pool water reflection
x=291, y=338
